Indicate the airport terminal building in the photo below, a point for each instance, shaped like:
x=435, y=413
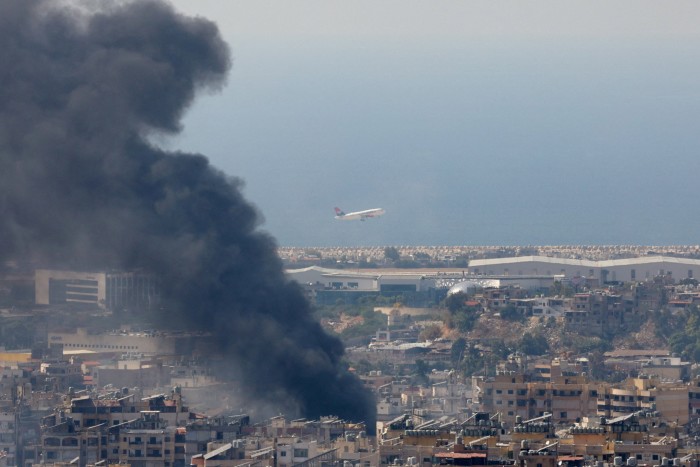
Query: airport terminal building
x=417, y=287
x=621, y=270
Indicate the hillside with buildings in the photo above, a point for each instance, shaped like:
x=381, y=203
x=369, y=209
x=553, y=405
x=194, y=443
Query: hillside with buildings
x=510, y=360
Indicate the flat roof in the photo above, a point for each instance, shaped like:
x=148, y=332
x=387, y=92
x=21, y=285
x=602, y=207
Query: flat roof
x=460, y=455
x=638, y=353
x=585, y=262
x=218, y=451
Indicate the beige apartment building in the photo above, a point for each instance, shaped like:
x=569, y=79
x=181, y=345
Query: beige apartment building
x=670, y=399
x=513, y=395
x=569, y=398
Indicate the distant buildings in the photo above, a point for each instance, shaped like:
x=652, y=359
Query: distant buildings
x=149, y=342
x=615, y=270
x=105, y=290
x=416, y=287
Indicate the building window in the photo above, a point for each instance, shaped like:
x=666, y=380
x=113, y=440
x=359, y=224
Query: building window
x=633, y=274
x=690, y=273
x=283, y=453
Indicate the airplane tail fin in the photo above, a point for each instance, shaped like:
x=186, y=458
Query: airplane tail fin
x=339, y=212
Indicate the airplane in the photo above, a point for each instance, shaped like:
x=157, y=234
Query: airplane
x=362, y=215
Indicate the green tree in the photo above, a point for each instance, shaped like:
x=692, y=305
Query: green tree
x=462, y=316
x=511, y=313
x=455, y=302
x=363, y=366
x=561, y=289
x=391, y=253
x=533, y=344
x=464, y=321
x=422, y=370
x=371, y=322
x=457, y=350
x=430, y=333
x=584, y=344
x=551, y=322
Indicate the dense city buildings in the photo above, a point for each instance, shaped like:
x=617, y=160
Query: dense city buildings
x=502, y=361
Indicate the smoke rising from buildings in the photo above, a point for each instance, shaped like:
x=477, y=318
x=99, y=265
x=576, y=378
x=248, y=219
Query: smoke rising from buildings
x=81, y=91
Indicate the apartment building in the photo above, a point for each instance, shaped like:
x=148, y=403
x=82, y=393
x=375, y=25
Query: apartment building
x=200, y=432
x=220, y=454
x=151, y=442
x=694, y=398
x=118, y=427
x=293, y=450
x=594, y=313
x=670, y=399
x=8, y=433
x=516, y=396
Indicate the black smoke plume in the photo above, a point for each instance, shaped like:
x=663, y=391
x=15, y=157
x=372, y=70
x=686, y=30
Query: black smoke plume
x=82, y=88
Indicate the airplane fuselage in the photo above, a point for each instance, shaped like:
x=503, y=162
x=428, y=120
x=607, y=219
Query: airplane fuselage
x=359, y=215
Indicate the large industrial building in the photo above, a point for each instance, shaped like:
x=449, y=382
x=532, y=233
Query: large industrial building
x=418, y=287
x=622, y=270
x=126, y=342
x=105, y=290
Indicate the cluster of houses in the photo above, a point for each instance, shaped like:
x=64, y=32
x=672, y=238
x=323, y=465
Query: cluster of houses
x=66, y=407
x=138, y=398
x=547, y=413
x=543, y=415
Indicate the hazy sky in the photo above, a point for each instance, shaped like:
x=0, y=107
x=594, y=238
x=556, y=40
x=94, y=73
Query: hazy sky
x=470, y=122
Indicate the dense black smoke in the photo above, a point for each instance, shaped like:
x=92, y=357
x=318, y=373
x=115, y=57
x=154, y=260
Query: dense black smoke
x=81, y=186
